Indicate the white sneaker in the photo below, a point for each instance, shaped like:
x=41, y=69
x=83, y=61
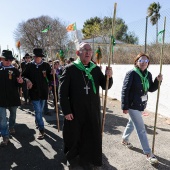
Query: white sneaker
x=152, y=159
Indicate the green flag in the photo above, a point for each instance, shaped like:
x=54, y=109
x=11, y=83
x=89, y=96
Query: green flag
x=47, y=29
x=160, y=35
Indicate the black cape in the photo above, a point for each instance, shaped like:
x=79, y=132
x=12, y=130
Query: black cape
x=82, y=135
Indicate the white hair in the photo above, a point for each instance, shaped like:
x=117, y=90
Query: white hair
x=82, y=44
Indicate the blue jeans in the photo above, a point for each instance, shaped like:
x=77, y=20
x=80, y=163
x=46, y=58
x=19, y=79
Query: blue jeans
x=38, y=107
x=45, y=110
x=3, y=120
x=136, y=120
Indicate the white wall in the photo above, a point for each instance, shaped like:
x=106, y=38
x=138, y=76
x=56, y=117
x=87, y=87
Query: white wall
x=119, y=72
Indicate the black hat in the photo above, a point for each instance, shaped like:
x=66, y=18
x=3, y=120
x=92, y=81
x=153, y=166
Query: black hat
x=7, y=54
x=38, y=52
x=27, y=55
x=71, y=59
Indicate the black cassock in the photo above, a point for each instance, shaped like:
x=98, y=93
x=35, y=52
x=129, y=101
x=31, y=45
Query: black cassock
x=82, y=135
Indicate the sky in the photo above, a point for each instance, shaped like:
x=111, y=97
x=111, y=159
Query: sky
x=13, y=12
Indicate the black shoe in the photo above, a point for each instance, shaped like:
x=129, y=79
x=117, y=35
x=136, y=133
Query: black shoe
x=74, y=163
x=41, y=134
x=5, y=141
x=86, y=165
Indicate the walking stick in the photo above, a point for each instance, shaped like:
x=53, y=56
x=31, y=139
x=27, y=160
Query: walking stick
x=157, y=101
x=107, y=80
x=55, y=96
x=18, y=45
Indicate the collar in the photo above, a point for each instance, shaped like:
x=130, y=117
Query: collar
x=37, y=65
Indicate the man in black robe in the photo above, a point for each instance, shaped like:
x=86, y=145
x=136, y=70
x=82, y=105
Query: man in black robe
x=38, y=75
x=9, y=96
x=80, y=103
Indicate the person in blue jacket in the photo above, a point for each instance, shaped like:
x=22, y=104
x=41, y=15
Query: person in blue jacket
x=137, y=83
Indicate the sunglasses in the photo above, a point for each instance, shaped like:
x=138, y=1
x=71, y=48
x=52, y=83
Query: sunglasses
x=143, y=61
x=8, y=59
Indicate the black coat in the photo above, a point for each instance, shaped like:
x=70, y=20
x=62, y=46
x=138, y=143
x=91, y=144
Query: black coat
x=132, y=91
x=9, y=94
x=34, y=73
x=82, y=135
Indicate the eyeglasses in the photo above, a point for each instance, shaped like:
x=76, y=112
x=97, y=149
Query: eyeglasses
x=8, y=59
x=86, y=50
x=27, y=57
x=143, y=61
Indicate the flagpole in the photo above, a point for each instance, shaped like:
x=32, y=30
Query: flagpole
x=107, y=80
x=157, y=101
x=55, y=96
x=13, y=51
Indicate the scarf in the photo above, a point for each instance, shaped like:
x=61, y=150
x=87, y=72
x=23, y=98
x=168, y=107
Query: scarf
x=37, y=65
x=80, y=66
x=144, y=79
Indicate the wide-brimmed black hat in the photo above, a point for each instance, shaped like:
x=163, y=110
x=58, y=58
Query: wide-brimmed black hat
x=7, y=54
x=27, y=55
x=38, y=52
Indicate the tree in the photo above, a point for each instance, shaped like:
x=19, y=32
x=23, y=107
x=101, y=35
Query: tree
x=102, y=27
x=130, y=38
x=30, y=34
x=153, y=13
x=120, y=27
x=91, y=27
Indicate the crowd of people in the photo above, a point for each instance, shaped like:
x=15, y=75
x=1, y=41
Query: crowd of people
x=76, y=84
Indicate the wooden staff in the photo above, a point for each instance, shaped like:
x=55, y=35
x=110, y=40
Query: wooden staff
x=157, y=101
x=102, y=89
x=107, y=80
x=55, y=96
x=18, y=45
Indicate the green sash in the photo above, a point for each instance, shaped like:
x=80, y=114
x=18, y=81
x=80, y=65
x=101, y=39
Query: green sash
x=144, y=79
x=80, y=66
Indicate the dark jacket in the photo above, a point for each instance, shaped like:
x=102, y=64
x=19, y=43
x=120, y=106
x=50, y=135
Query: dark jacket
x=40, y=80
x=132, y=91
x=9, y=95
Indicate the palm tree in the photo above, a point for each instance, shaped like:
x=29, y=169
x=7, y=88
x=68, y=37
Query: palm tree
x=153, y=13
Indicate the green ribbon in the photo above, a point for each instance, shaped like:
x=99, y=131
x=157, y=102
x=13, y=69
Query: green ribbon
x=80, y=66
x=61, y=53
x=144, y=79
x=113, y=42
x=47, y=79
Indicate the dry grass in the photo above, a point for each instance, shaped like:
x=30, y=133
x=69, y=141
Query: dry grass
x=125, y=54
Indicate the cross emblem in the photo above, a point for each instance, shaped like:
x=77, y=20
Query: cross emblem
x=87, y=88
